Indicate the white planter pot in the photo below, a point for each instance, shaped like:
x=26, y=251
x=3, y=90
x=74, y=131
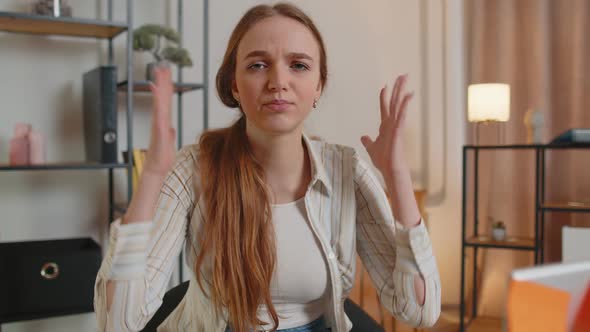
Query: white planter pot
x=149, y=70
x=499, y=234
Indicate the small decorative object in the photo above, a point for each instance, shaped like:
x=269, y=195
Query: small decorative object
x=149, y=38
x=52, y=8
x=499, y=231
x=27, y=146
x=36, y=148
x=19, y=145
x=533, y=121
x=488, y=103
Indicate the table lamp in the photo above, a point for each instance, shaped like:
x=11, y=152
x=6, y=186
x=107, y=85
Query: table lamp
x=487, y=103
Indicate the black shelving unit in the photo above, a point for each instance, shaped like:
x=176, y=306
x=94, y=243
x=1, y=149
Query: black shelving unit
x=180, y=88
x=534, y=244
x=61, y=166
x=62, y=26
x=143, y=86
x=31, y=24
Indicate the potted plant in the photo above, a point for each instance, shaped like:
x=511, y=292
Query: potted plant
x=149, y=37
x=499, y=231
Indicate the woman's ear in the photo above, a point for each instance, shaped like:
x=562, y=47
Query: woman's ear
x=234, y=90
x=319, y=91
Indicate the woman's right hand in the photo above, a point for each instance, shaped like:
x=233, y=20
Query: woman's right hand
x=162, y=150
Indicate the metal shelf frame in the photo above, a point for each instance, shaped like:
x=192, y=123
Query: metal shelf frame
x=535, y=245
x=59, y=26
x=13, y=22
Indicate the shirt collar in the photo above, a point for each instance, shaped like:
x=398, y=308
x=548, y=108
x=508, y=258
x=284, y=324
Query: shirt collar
x=318, y=171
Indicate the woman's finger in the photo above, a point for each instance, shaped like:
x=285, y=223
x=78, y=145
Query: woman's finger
x=367, y=141
x=383, y=98
x=397, y=91
x=401, y=118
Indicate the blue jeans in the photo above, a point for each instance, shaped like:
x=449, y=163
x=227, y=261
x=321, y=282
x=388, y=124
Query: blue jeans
x=318, y=325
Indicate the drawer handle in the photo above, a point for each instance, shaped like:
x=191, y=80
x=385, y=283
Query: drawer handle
x=50, y=271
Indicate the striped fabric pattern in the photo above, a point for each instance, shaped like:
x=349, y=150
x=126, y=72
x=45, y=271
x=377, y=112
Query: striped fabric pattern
x=349, y=214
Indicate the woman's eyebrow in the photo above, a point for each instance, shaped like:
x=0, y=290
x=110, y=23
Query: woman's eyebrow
x=296, y=55
x=254, y=54
x=300, y=55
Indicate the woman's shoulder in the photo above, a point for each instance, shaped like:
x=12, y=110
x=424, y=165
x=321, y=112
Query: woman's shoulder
x=321, y=146
x=186, y=160
x=346, y=154
x=183, y=174
x=330, y=154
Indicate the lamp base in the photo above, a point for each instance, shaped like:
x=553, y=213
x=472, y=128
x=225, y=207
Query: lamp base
x=500, y=133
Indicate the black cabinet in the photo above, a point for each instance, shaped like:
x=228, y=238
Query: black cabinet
x=47, y=278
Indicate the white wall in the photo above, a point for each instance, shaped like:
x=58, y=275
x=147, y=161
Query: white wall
x=368, y=43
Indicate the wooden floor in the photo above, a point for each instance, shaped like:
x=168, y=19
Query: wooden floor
x=449, y=322
x=484, y=324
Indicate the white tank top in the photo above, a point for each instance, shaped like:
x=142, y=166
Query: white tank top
x=300, y=281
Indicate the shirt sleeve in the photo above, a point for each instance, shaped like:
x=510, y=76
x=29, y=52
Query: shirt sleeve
x=141, y=256
x=393, y=254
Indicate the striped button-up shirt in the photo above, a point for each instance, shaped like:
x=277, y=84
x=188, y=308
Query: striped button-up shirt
x=349, y=213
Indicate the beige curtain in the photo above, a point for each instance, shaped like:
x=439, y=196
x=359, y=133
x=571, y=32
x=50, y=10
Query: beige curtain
x=542, y=49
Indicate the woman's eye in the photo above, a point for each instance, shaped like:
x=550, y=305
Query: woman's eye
x=300, y=66
x=257, y=66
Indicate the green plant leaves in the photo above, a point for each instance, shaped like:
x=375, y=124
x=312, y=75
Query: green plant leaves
x=178, y=56
x=147, y=38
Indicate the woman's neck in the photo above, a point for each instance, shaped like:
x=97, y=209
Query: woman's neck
x=285, y=162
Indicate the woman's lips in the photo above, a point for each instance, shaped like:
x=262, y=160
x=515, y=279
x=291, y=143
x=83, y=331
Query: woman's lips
x=278, y=106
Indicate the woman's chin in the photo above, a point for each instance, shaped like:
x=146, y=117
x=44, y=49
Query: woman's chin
x=279, y=126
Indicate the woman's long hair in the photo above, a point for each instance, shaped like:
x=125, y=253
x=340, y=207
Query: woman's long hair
x=237, y=232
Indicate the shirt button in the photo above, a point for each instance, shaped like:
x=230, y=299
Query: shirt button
x=331, y=255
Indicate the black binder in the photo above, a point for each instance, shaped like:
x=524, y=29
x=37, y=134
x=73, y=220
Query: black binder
x=100, y=114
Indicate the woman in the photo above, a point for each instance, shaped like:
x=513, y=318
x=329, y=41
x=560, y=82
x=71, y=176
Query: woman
x=270, y=219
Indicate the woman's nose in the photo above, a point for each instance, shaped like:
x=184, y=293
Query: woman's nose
x=277, y=79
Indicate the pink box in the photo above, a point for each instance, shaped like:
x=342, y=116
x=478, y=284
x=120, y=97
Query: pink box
x=19, y=151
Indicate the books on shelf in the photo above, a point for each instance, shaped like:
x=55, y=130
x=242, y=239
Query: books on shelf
x=138, y=161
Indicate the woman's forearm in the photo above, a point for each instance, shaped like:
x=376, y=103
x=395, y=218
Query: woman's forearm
x=401, y=193
x=405, y=211
x=140, y=209
x=145, y=198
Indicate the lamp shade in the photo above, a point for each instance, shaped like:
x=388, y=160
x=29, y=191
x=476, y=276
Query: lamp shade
x=488, y=102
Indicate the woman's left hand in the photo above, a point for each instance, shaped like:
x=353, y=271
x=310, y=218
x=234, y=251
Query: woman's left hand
x=386, y=151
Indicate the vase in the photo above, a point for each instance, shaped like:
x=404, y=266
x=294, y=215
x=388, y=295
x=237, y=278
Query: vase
x=19, y=148
x=499, y=234
x=149, y=71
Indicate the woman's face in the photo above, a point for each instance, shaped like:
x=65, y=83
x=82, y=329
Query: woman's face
x=277, y=74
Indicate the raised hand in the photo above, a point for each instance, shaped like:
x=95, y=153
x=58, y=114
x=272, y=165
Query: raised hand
x=162, y=151
x=386, y=151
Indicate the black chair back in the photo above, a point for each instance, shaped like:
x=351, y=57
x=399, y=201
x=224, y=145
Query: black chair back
x=361, y=321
